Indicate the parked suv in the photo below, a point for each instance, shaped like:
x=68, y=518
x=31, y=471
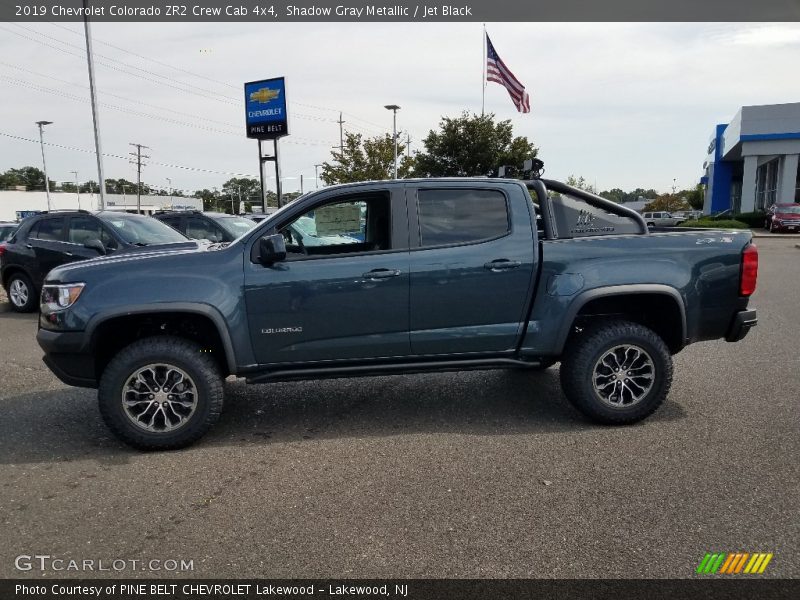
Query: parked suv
x=49, y=240
x=783, y=217
x=661, y=219
x=211, y=226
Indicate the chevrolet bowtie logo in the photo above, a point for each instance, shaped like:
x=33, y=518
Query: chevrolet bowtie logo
x=264, y=95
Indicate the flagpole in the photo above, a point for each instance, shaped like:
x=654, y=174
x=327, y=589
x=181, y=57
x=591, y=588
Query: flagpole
x=483, y=73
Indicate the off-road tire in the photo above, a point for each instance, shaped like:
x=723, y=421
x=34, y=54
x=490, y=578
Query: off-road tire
x=33, y=300
x=583, y=352
x=175, y=351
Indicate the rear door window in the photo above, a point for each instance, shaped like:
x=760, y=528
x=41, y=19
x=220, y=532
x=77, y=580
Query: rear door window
x=461, y=216
x=50, y=229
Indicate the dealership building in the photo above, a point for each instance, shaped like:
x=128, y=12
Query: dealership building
x=752, y=161
x=14, y=205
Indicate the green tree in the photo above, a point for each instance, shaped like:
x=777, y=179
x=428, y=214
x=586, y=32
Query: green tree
x=695, y=197
x=471, y=145
x=668, y=202
x=581, y=184
x=246, y=189
x=365, y=160
x=31, y=177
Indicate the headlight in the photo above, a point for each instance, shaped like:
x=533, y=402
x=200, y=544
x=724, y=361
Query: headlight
x=59, y=297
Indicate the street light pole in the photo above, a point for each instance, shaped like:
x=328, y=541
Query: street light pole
x=169, y=185
x=77, y=189
x=316, y=174
x=41, y=124
x=95, y=114
x=394, y=108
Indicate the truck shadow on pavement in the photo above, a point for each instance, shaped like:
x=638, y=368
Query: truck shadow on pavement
x=65, y=424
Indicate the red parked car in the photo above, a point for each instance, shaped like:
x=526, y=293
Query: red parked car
x=783, y=217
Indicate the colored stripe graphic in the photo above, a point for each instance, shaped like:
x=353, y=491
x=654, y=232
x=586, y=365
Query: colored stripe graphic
x=701, y=567
x=740, y=564
x=727, y=564
x=731, y=563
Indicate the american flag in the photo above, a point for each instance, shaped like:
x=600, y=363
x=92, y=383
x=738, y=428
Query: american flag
x=497, y=71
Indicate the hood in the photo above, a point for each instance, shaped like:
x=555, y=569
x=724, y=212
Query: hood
x=133, y=256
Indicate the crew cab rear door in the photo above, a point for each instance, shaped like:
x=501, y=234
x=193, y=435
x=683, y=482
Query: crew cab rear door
x=472, y=266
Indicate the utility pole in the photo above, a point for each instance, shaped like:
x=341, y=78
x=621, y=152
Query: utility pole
x=240, y=199
x=316, y=174
x=139, y=156
x=41, y=125
x=95, y=114
x=169, y=185
x=408, y=145
x=341, y=133
x=77, y=189
x=301, y=184
x=394, y=108
x=673, y=185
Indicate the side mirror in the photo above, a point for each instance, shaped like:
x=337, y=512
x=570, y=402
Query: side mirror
x=95, y=244
x=272, y=249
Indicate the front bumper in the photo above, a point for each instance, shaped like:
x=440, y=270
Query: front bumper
x=741, y=325
x=66, y=356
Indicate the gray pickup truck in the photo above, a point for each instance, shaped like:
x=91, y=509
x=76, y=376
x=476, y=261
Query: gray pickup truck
x=402, y=276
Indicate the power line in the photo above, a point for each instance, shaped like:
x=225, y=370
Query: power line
x=126, y=65
x=105, y=93
x=298, y=140
x=205, y=77
x=118, y=156
x=158, y=62
x=222, y=97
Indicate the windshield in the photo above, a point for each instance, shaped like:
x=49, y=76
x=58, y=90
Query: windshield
x=142, y=231
x=236, y=226
x=788, y=210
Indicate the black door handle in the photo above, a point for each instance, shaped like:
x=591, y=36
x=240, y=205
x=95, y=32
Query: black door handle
x=381, y=274
x=502, y=264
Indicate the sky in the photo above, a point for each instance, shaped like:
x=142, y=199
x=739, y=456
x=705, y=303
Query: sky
x=623, y=105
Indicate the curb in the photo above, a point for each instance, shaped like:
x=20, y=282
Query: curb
x=776, y=236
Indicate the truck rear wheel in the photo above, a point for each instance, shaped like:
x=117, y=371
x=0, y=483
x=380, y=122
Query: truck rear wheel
x=617, y=373
x=161, y=393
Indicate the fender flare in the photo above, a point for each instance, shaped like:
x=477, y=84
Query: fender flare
x=195, y=308
x=618, y=290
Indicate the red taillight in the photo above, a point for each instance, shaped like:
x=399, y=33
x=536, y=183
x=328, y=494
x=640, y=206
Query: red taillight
x=2, y=249
x=747, y=282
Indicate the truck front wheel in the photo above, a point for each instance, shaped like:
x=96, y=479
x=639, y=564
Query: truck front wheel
x=617, y=372
x=161, y=393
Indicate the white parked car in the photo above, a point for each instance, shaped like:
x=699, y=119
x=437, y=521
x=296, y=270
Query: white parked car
x=661, y=219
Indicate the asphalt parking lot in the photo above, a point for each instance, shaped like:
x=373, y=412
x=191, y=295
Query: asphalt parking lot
x=474, y=474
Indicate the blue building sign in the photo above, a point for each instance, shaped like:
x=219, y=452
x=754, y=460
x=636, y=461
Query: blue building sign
x=265, y=109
